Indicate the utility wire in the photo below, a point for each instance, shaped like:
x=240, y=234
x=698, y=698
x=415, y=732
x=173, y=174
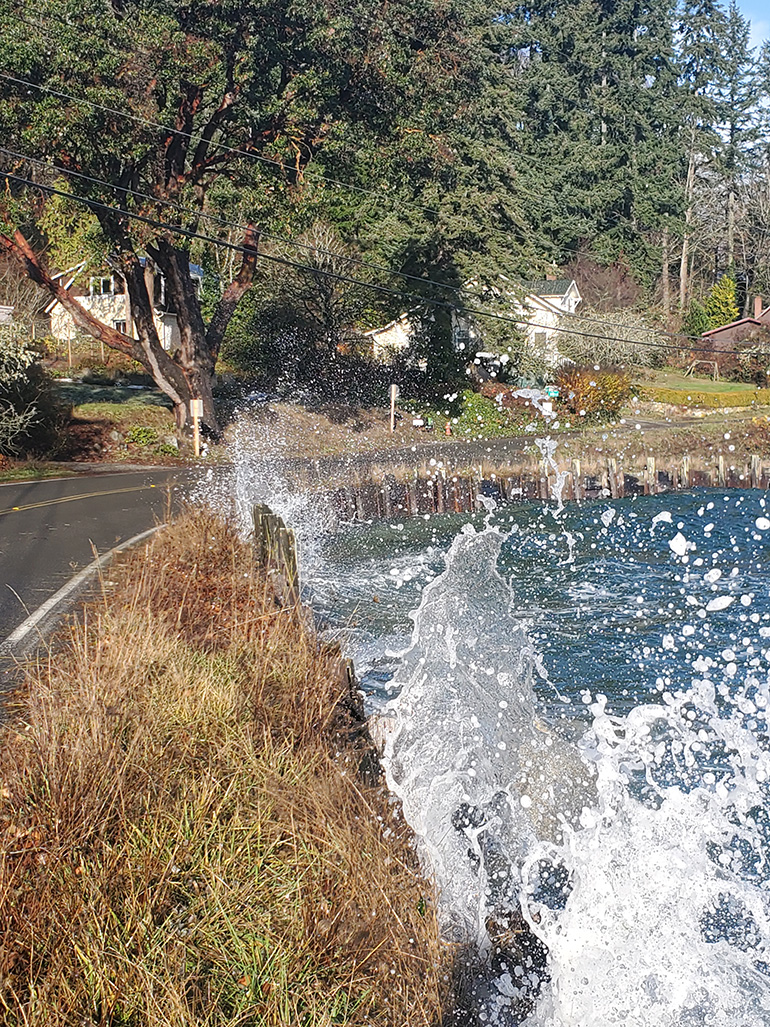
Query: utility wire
x=379, y=197
x=417, y=299
x=583, y=320
x=222, y=221
x=193, y=137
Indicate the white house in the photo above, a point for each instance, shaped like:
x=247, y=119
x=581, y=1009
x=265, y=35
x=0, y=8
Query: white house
x=542, y=306
x=392, y=338
x=109, y=302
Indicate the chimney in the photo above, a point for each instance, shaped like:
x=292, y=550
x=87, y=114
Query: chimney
x=757, y=306
x=550, y=278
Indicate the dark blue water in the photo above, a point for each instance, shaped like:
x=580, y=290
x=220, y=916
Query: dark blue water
x=612, y=608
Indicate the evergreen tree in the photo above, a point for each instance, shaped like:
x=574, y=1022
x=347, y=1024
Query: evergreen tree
x=697, y=321
x=599, y=97
x=737, y=111
x=722, y=305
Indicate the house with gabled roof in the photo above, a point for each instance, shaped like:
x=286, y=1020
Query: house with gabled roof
x=539, y=305
x=740, y=334
x=107, y=299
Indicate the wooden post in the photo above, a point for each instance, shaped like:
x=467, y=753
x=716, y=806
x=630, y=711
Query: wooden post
x=393, y=398
x=576, y=480
x=650, y=477
x=685, y=476
x=755, y=473
x=612, y=477
x=545, y=488
x=196, y=412
x=276, y=549
x=721, y=477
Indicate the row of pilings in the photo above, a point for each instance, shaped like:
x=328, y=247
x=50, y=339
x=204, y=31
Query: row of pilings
x=439, y=492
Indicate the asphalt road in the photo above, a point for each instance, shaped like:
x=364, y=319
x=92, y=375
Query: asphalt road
x=51, y=529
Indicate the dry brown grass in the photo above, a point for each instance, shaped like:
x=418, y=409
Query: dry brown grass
x=185, y=837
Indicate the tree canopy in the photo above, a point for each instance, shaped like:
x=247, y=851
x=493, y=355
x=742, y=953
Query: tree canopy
x=442, y=143
x=162, y=116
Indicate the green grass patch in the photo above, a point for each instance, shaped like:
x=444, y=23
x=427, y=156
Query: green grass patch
x=33, y=472
x=744, y=397
x=127, y=416
x=678, y=381
x=77, y=393
x=472, y=416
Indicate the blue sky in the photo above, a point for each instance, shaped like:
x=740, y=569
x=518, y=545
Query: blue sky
x=759, y=12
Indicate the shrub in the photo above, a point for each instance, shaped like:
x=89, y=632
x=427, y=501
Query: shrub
x=722, y=305
x=28, y=411
x=595, y=395
x=142, y=435
x=482, y=417
x=751, y=366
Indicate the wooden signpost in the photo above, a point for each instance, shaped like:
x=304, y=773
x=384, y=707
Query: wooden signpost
x=393, y=398
x=196, y=412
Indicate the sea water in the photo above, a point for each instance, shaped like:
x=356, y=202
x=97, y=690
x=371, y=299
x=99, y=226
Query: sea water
x=574, y=710
x=582, y=698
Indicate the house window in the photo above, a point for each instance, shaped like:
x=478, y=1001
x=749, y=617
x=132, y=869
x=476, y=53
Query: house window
x=119, y=326
x=102, y=286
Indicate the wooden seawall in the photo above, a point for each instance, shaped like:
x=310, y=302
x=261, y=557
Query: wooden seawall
x=438, y=491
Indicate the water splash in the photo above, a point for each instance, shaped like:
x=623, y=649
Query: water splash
x=641, y=860
x=667, y=919
x=481, y=779
x=257, y=475
x=547, y=449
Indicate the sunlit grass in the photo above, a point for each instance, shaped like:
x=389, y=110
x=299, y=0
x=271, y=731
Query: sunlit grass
x=186, y=838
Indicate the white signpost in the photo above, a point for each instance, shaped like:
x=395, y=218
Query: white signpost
x=196, y=412
x=393, y=398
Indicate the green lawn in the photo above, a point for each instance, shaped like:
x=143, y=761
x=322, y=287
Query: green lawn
x=79, y=394
x=670, y=379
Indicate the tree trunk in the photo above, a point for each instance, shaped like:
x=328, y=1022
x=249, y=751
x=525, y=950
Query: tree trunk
x=666, y=281
x=199, y=348
x=684, y=262
x=183, y=376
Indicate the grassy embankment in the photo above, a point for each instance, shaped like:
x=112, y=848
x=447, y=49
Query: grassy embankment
x=186, y=834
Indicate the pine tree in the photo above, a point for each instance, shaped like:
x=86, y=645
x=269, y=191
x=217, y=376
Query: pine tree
x=722, y=305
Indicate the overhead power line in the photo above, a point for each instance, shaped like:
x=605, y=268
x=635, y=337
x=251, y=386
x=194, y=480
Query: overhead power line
x=583, y=320
x=384, y=290
x=197, y=137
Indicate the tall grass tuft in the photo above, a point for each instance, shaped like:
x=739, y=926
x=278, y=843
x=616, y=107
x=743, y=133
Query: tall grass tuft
x=185, y=836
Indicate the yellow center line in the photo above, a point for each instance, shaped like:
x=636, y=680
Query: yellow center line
x=71, y=499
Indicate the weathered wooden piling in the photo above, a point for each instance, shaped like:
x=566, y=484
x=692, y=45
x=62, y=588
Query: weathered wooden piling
x=275, y=549
x=442, y=491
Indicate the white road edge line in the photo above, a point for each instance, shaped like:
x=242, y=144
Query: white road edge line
x=31, y=622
